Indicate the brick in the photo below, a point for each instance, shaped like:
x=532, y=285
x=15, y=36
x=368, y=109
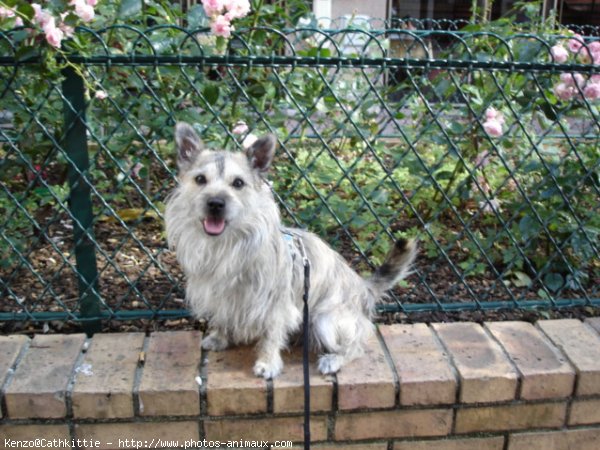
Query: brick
x=585, y=412
x=491, y=443
x=423, y=367
x=510, y=417
x=486, y=374
x=582, y=439
x=368, y=381
x=168, y=384
x=594, y=322
x=39, y=386
x=104, y=380
x=266, y=429
x=545, y=372
x=288, y=388
x=393, y=424
x=232, y=388
x=582, y=346
x=10, y=349
x=137, y=435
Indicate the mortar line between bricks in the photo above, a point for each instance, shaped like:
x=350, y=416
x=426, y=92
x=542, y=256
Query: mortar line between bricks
x=568, y=411
x=10, y=375
x=71, y=382
x=520, y=376
x=588, y=325
x=440, y=342
x=546, y=339
x=70, y=385
x=392, y=366
x=506, y=437
x=137, y=378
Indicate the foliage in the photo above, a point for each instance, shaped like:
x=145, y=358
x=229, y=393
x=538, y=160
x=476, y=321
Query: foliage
x=497, y=167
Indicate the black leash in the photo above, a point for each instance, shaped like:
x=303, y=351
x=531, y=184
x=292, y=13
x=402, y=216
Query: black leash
x=305, y=344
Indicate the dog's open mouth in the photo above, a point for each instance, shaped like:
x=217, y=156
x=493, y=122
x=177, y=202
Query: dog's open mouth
x=214, y=225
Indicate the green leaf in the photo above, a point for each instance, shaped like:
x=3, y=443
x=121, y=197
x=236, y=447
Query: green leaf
x=130, y=8
x=553, y=281
x=196, y=17
x=26, y=10
x=211, y=93
x=26, y=52
x=528, y=227
x=522, y=279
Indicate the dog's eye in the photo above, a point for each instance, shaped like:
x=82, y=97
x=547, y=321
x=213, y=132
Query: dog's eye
x=238, y=183
x=200, y=179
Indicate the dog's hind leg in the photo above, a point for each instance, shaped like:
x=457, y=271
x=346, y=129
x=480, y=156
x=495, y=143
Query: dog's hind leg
x=216, y=340
x=341, y=338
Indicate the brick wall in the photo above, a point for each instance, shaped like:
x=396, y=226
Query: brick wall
x=501, y=386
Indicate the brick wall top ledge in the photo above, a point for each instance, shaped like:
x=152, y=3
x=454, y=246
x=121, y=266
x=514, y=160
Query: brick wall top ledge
x=427, y=368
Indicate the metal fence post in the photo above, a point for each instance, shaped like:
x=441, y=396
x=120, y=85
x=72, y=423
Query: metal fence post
x=80, y=203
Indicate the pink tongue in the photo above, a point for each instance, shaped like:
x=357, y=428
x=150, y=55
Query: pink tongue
x=214, y=226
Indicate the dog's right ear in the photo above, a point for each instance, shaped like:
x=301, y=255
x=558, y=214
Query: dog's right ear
x=189, y=145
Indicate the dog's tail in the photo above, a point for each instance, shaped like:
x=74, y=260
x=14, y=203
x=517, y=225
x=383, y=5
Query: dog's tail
x=396, y=266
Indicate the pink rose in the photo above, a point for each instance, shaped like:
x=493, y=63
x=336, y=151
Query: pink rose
x=493, y=114
x=66, y=29
x=83, y=10
x=240, y=128
x=493, y=127
x=18, y=22
x=54, y=35
x=572, y=79
x=41, y=16
x=6, y=12
x=592, y=91
x=559, y=53
x=221, y=27
x=100, y=95
x=564, y=91
x=213, y=7
x=236, y=9
x=575, y=43
x=92, y=2
x=594, y=48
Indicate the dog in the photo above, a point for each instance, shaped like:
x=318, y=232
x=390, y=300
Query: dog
x=245, y=271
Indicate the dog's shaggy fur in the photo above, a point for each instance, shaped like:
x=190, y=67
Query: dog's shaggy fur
x=245, y=277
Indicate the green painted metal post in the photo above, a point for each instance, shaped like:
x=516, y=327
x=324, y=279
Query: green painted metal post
x=80, y=202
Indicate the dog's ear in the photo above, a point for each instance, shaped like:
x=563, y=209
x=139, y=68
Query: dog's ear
x=260, y=154
x=189, y=145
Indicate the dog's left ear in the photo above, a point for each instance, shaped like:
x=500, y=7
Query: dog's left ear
x=260, y=154
x=189, y=145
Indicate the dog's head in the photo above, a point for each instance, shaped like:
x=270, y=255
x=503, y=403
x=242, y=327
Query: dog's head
x=222, y=189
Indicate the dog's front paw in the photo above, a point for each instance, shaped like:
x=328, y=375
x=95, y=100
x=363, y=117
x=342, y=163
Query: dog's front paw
x=214, y=343
x=268, y=369
x=330, y=363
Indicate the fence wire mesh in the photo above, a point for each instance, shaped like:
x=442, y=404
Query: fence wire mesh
x=484, y=146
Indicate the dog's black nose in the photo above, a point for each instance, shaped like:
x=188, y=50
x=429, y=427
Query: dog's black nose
x=216, y=205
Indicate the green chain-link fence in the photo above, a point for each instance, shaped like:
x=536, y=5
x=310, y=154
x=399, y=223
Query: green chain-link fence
x=484, y=146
